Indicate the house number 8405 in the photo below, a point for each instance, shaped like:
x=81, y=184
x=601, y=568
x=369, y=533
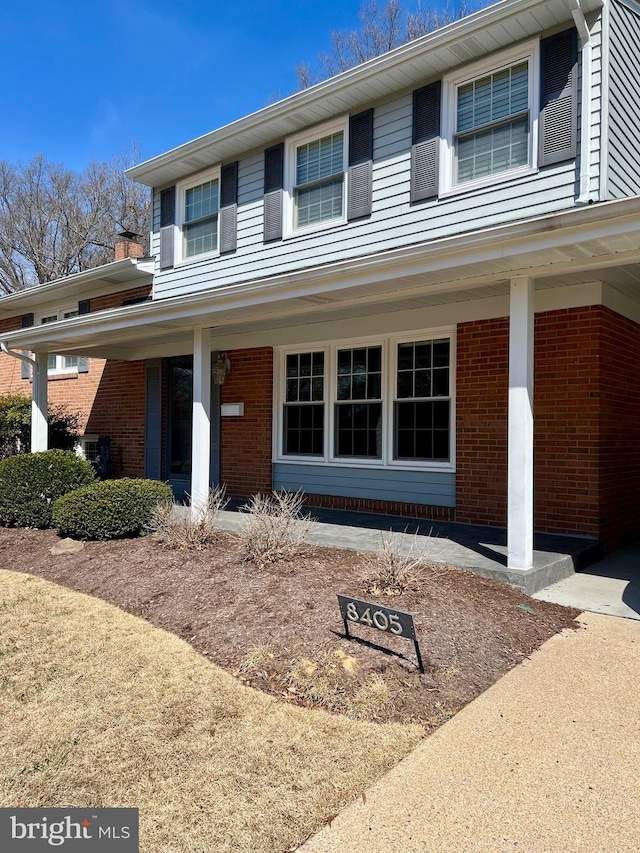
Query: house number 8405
x=379, y=620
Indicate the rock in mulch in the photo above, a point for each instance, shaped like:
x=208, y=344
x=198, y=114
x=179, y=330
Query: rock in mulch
x=66, y=546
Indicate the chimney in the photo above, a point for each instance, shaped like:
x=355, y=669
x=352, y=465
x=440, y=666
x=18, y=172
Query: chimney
x=127, y=246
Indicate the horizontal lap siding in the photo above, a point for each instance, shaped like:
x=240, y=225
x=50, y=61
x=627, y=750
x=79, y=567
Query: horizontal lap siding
x=394, y=222
x=624, y=98
x=434, y=488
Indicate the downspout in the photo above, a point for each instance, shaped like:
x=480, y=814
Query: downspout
x=5, y=349
x=585, y=105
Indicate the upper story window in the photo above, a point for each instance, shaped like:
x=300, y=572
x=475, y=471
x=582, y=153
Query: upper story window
x=60, y=363
x=490, y=119
x=198, y=206
x=316, y=164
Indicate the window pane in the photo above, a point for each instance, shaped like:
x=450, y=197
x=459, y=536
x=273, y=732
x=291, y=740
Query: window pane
x=319, y=203
x=360, y=374
x=51, y=362
x=304, y=429
x=429, y=376
x=319, y=159
x=201, y=237
x=359, y=430
x=201, y=201
x=493, y=150
x=422, y=430
x=70, y=361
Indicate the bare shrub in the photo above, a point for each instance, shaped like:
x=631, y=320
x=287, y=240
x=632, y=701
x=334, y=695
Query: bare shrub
x=274, y=527
x=187, y=529
x=393, y=570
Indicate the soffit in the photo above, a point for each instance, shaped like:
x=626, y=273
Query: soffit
x=408, y=66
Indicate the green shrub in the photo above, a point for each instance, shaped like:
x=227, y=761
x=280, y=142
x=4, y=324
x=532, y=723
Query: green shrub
x=15, y=426
x=31, y=482
x=111, y=509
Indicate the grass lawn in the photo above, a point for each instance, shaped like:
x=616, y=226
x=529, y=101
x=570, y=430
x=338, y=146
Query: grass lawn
x=100, y=708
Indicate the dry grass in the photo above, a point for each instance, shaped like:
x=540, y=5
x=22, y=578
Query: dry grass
x=99, y=708
x=274, y=527
x=186, y=529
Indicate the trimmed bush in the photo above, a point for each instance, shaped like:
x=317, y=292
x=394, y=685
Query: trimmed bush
x=111, y=509
x=31, y=482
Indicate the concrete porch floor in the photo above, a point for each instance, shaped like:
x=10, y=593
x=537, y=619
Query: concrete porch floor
x=478, y=548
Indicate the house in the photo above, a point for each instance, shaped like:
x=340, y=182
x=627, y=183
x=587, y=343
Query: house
x=416, y=286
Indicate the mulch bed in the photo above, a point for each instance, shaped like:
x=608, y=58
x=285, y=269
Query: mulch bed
x=278, y=628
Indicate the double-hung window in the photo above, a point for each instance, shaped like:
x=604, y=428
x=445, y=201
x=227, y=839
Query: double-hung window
x=489, y=119
x=198, y=205
x=60, y=363
x=316, y=168
x=384, y=402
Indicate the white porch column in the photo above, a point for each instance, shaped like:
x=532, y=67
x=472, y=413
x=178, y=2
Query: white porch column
x=520, y=496
x=201, y=446
x=39, y=419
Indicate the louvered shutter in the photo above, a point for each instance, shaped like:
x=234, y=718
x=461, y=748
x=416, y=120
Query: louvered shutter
x=167, y=220
x=558, y=97
x=83, y=364
x=25, y=368
x=360, y=165
x=229, y=208
x=84, y=306
x=153, y=419
x=426, y=142
x=273, y=184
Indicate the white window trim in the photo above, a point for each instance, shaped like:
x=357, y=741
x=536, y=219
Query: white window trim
x=59, y=369
x=180, y=257
x=291, y=144
x=83, y=440
x=529, y=51
x=389, y=344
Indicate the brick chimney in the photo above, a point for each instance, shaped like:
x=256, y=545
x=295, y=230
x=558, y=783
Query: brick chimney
x=127, y=246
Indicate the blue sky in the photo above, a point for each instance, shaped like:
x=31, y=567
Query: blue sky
x=84, y=79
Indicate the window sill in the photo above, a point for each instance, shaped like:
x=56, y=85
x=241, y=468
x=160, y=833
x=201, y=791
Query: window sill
x=54, y=377
x=377, y=464
x=485, y=183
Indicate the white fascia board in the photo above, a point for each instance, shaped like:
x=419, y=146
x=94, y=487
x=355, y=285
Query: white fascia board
x=268, y=123
x=588, y=224
x=108, y=278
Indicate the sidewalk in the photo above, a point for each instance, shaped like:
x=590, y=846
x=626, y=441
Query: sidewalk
x=546, y=760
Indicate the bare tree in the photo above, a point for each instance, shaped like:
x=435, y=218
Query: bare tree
x=54, y=222
x=381, y=29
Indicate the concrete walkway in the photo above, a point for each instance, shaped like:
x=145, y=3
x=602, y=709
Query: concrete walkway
x=611, y=586
x=546, y=760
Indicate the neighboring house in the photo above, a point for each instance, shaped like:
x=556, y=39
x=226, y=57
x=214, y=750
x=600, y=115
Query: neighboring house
x=381, y=259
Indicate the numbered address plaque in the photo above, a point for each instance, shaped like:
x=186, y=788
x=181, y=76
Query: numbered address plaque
x=376, y=616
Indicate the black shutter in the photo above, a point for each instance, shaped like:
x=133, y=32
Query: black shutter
x=273, y=184
x=360, y=164
x=83, y=364
x=84, y=306
x=426, y=142
x=229, y=208
x=167, y=220
x=558, y=97
x=27, y=321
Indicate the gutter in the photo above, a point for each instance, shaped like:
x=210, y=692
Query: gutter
x=5, y=349
x=585, y=106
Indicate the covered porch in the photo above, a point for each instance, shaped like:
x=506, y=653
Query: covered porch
x=559, y=263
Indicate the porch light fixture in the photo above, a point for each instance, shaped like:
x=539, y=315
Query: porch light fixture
x=220, y=367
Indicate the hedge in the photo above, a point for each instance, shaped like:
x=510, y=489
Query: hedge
x=31, y=482
x=111, y=509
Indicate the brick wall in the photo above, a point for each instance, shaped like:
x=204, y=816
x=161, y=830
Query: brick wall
x=587, y=416
x=246, y=442
x=619, y=428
